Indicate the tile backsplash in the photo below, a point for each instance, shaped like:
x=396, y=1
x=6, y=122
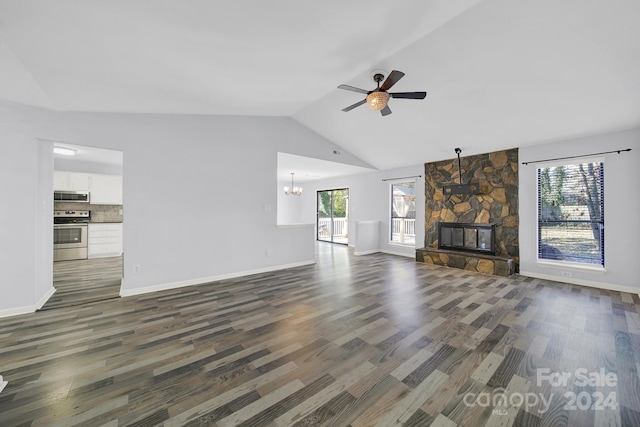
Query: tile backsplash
x=99, y=213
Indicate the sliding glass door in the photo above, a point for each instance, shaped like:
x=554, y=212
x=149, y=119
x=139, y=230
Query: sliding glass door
x=333, y=215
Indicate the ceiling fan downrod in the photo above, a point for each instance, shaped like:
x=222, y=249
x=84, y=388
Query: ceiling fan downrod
x=458, y=151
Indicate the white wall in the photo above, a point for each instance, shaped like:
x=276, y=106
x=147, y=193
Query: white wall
x=369, y=200
x=289, y=207
x=18, y=180
x=43, y=224
x=196, y=190
x=622, y=210
x=26, y=229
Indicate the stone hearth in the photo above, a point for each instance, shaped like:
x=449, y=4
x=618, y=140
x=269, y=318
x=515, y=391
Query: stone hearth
x=488, y=264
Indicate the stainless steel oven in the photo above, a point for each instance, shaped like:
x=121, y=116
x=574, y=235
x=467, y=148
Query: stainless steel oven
x=70, y=235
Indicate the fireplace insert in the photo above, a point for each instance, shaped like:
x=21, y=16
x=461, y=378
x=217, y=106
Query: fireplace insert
x=467, y=237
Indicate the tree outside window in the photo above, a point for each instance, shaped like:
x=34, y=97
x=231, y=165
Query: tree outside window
x=571, y=213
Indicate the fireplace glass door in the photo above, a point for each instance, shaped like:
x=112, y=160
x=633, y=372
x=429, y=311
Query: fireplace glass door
x=467, y=237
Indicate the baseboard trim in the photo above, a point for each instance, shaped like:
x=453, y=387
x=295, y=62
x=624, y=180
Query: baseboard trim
x=199, y=281
x=371, y=251
x=8, y=312
x=45, y=298
x=582, y=282
x=385, y=251
x=408, y=255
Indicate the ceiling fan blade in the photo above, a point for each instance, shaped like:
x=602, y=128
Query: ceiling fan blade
x=385, y=111
x=392, y=79
x=409, y=95
x=353, y=89
x=357, y=104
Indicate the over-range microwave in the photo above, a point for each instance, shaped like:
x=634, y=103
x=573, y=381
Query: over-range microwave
x=71, y=196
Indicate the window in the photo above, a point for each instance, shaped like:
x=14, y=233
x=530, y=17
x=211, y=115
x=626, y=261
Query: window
x=571, y=213
x=403, y=212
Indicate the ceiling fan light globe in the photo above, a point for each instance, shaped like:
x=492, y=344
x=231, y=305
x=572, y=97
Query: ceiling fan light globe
x=377, y=100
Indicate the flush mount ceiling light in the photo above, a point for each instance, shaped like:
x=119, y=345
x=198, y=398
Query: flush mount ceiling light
x=64, y=151
x=293, y=190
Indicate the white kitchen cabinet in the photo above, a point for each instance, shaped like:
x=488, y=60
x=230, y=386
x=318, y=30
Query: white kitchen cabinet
x=71, y=181
x=105, y=189
x=105, y=240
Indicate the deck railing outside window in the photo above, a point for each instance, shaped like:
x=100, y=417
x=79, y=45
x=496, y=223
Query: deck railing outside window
x=340, y=227
x=404, y=230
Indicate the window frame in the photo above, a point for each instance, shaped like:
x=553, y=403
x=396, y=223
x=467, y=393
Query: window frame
x=391, y=210
x=571, y=263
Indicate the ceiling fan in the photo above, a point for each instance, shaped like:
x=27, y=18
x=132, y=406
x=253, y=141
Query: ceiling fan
x=378, y=98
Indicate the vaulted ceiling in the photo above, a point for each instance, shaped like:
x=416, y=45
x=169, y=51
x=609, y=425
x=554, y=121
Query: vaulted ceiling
x=498, y=73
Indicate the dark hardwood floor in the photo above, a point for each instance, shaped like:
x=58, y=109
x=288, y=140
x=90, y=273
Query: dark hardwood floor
x=361, y=341
x=82, y=281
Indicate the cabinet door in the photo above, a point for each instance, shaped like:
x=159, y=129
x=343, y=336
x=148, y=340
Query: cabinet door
x=78, y=181
x=61, y=181
x=105, y=240
x=70, y=181
x=106, y=189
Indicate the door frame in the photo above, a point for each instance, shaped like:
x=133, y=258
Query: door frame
x=331, y=231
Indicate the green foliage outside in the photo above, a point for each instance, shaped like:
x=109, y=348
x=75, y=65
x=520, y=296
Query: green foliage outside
x=571, y=212
x=339, y=207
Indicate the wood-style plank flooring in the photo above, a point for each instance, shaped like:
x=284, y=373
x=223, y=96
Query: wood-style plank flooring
x=360, y=341
x=82, y=281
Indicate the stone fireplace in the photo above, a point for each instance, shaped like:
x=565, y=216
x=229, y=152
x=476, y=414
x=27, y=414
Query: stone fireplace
x=491, y=212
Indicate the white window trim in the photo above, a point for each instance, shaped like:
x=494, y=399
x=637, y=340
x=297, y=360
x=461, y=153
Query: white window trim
x=543, y=262
x=391, y=183
x=576, y=266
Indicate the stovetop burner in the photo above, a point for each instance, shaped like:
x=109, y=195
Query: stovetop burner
x=70, y=217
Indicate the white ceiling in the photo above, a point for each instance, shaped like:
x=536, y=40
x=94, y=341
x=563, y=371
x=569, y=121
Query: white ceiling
x=498, y=73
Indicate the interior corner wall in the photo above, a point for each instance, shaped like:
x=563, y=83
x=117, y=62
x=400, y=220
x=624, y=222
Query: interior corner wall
x=18, y=184
x=370, y=200
x=43, y=224
x=621, y=208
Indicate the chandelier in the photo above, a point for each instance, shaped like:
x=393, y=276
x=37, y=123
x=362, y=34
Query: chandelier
x=293, y=190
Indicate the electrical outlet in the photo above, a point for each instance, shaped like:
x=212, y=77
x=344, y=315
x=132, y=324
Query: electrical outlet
x=566, y=274
x=267, y=253
x=136, y=269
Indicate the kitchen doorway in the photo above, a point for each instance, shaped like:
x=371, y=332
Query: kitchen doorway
x=93, y=271
x=332, y=219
